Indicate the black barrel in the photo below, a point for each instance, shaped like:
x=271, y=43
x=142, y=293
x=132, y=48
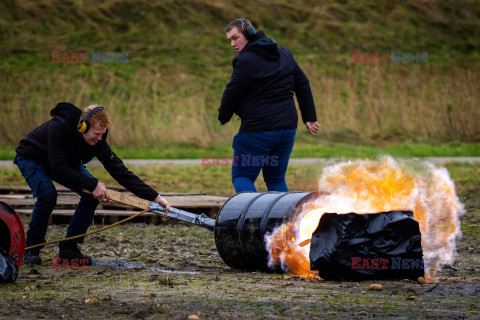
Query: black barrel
x=246, y=217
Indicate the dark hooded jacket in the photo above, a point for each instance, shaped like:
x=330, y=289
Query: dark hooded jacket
x=59, y=147
x=261, y=89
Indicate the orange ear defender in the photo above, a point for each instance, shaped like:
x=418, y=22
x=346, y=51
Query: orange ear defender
x=83, y=125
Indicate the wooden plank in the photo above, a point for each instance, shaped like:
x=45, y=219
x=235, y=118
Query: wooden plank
x=26, y=189
x=17, y=196
x=62, y=201
x=70, y=200
x=196, y=201
x=191, y=201
x=105, y=213
x=127, y=199
x=63, y=190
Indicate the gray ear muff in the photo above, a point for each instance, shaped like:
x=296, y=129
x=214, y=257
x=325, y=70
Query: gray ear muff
x=248, y=31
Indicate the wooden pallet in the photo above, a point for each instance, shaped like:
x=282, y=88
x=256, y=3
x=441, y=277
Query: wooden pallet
x=20, y=198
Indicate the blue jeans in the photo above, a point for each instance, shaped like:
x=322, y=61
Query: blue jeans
x=266, y=151
x=43, y=188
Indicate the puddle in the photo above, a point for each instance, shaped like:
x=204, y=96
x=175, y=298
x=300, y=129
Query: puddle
x=173, y=271
x=125, y=264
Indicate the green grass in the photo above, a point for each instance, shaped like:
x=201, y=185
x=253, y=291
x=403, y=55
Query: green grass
x=170, y=89
x=472, y=230
x=467, y=183
x=217, y=180
x=302, y=149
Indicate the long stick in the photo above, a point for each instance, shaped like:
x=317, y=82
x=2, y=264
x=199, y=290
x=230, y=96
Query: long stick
x=88, y=233
x=116, y=196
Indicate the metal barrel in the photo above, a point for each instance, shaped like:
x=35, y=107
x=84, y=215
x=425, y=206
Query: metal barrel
x=244, y=220
x=12, y=234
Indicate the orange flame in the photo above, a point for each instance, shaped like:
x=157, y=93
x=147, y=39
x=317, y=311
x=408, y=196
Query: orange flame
x=367, y=186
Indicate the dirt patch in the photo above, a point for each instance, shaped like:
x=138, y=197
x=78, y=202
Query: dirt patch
x=174, y=271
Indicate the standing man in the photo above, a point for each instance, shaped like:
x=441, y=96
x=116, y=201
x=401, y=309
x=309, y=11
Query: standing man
x=260, y=92
x=56, y=151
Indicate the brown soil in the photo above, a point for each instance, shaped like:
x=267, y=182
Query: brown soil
x=137, y=278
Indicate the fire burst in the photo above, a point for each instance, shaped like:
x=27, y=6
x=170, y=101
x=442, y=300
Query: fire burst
x=367, y=186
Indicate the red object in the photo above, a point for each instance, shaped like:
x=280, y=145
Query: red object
x=13, y=240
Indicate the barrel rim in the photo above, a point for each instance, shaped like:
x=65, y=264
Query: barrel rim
x=17, y=245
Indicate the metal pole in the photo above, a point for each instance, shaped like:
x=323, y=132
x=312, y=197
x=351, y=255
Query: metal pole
x=197, y=219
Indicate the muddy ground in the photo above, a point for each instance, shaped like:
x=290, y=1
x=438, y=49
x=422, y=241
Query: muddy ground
x=173, y=271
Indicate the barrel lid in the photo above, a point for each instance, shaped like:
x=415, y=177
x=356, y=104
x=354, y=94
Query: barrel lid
x=16, y=244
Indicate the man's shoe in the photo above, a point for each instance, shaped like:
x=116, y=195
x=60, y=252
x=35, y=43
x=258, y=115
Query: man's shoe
x=32, y=257
x=70, y=250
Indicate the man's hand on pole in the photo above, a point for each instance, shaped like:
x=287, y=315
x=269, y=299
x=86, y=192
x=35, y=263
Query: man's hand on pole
x=100, y=192
x=312, y=127
x=159, y=199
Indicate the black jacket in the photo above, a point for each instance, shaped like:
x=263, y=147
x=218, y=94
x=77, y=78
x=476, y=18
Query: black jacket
x=261, y=89
x=59, y=147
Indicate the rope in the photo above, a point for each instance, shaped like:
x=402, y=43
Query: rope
x=88, y=233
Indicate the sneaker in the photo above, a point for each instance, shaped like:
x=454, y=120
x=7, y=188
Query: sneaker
x=70, y=250
x=32, y=257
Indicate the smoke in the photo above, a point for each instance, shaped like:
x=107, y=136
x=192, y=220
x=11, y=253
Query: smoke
x=370, y=186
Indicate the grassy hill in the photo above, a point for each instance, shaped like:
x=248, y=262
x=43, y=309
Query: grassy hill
x=179, y=63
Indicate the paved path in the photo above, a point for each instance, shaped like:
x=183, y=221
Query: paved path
x=142, y=162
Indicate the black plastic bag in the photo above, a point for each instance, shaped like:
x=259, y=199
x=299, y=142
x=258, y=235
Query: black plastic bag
x=354, y=246
x=8, y=268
